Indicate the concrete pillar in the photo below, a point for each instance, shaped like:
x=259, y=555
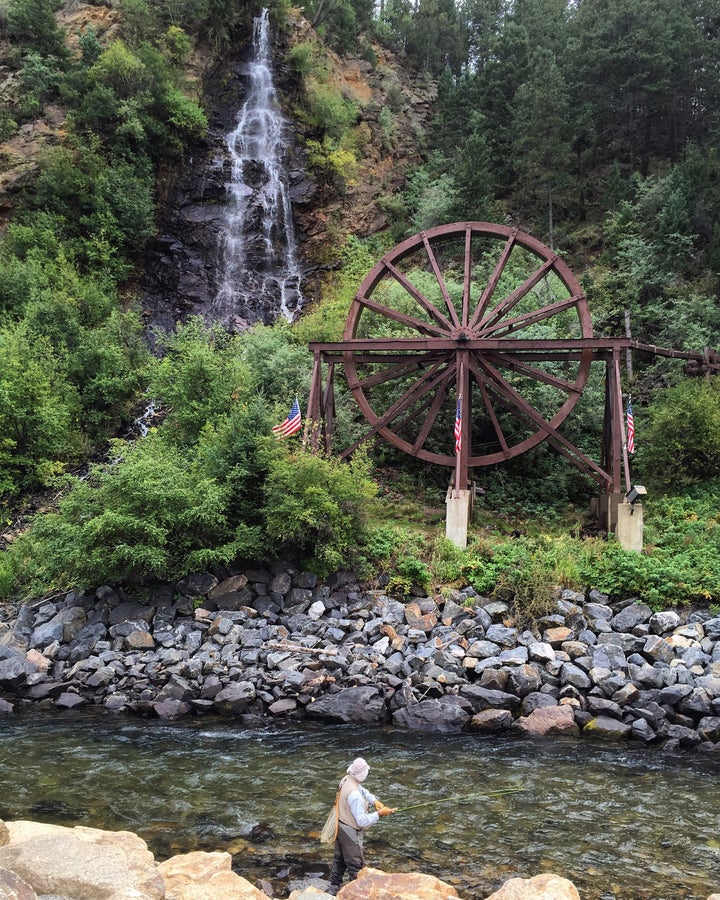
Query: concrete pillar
x=629, y=531
x=459, y=509
x=605, y=509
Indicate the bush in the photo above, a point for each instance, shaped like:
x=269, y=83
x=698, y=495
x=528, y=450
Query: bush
x=146, y=514
x=199, y=378
x=33, y=22
x=39, y=412
x=681, y=445
x=317, y=506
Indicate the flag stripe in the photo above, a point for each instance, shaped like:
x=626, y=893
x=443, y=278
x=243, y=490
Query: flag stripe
x=458, y=426
x=292, y=423
x=630, y=429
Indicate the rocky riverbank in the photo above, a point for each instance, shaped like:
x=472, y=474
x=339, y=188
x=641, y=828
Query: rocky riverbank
x=42, y=861
x=276, y=642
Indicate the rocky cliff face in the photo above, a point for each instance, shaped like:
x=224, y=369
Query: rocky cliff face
x=182, y=273
x=179, y=275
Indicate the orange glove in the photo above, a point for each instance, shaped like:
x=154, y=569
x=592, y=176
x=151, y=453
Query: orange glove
x=385, y=810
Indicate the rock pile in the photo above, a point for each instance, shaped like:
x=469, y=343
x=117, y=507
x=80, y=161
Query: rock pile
x=278, y=643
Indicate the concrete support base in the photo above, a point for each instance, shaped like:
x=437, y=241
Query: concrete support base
x=459, y=510
x=629, y=530
x=605, y=510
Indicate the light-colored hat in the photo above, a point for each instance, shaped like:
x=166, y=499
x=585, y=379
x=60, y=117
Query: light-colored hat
x=358, y=769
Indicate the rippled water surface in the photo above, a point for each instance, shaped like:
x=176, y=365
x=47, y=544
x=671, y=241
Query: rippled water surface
x=622, y=824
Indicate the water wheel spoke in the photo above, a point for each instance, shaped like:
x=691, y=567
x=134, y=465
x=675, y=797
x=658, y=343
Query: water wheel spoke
x=405, y=366
x=480, y=378
x=517, y=295
x=523, y=368
x=526, y=413
x=409, y=321
x=514, y=402
x=467, y=280
x=417, y=295
x=494, y=279
x=435, y=408
x=426, y=383
x=440, y=280
x=530, y=318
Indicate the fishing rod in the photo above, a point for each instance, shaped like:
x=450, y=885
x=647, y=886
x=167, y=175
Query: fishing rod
x=460, y=799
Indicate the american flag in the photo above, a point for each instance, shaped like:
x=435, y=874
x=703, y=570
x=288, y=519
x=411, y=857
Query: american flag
x=292, y=424
x=630, y=429
x=458, y=425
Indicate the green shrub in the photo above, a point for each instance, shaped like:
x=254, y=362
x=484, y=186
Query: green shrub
x=317, y=506
x=33, y=22
x=39, y=412
x=681, y=445
x=328, y=111
x=145, y=514
x=199, y=378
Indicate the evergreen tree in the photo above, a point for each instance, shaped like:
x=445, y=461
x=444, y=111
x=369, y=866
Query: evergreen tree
x=540, y=134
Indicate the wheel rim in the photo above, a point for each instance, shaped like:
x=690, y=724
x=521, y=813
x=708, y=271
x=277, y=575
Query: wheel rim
x=491, y=296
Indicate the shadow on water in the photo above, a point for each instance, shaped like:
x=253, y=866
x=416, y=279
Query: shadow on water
x=621, y=823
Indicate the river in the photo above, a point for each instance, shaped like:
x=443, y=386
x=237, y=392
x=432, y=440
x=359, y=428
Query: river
x=623, y=823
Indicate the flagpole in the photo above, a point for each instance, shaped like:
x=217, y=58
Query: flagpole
x=619, y=401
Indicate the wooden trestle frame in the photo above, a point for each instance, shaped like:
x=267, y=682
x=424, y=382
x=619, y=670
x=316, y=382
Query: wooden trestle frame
x=471, y=330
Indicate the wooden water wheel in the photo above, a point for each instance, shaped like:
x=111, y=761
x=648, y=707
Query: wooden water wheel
x=483, y=324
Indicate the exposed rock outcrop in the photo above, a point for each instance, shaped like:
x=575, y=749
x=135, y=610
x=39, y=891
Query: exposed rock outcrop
x=205, y=876
x=82, y=863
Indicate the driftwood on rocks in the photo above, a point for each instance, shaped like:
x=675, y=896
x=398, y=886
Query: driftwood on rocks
x=277, y=642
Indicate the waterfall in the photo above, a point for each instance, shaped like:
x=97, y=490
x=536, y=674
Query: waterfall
x=260, y=272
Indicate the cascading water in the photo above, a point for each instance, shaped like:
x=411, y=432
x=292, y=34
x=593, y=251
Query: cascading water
x=260, y=271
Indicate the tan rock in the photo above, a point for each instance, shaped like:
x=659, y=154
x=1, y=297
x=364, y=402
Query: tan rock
x=548, y=720
x=205, y=876
x=417, y=619
x=82, y=863
x=556, y=637
x=140, y=640
x=541, y=887
x=4, y=834
x=372, y=884
x=228, y=586
x=41, y=663
x=12, y=887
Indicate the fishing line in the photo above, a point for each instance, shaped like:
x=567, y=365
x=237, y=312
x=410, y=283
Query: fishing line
x=460, y=799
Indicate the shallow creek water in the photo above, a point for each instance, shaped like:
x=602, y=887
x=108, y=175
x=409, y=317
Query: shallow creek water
x=621, y=823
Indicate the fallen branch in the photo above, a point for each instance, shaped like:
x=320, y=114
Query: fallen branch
x=299, y=648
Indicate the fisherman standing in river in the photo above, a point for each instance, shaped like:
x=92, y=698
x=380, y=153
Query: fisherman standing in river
x=353, y=806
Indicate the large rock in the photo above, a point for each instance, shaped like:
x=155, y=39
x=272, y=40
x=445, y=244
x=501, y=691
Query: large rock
x=548, y=720
x=444, y=715
x=205, y=876
x=82, y=863
x=541, y=887
x=360, y=705
x=372, y=884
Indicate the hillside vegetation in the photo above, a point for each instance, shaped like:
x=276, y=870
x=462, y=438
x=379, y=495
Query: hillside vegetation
x=593, y=125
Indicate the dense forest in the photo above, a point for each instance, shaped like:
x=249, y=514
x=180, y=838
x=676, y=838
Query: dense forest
x=593, y=124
